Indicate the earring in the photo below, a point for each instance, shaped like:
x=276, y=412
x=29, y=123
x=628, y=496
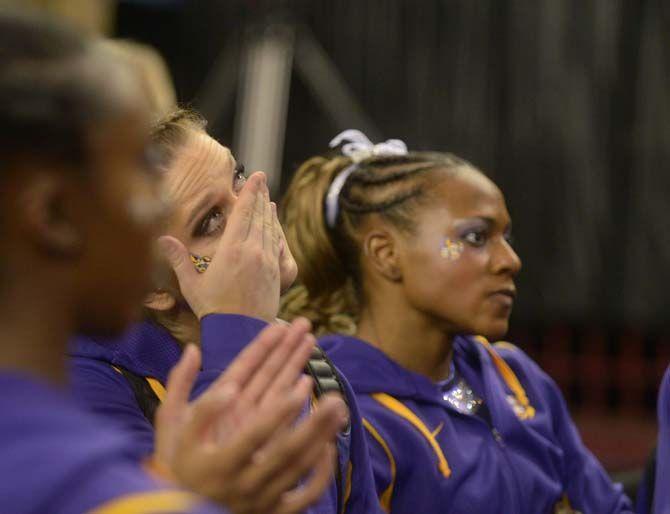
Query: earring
x=451, y=250
x=201, y=263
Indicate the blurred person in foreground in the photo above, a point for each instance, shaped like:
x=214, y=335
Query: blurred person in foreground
x=226, y=263
x=78, y=197
x=406, y=271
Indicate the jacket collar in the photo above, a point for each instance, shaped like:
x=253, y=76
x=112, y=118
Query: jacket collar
x=146, y=349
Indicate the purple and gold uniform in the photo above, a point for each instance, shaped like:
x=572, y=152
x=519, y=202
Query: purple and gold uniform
x=150, y=351
x=57, y=459
x=500, y=440
x=661, y=499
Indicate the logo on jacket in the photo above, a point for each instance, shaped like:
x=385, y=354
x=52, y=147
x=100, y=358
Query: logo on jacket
x=564, y=507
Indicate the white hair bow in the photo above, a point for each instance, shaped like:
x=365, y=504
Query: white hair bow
x=360, y=147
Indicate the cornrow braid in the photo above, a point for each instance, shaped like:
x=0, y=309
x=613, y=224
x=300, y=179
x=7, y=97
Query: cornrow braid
x=328, y=289
x=49, y=99
x=359, y=208
x=371, y=177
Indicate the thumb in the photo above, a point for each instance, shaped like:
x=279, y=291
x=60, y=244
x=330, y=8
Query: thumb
x=177, y=255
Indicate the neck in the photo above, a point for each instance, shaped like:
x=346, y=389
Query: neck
x=182, y=324
x=411, y=338
x=35, y=324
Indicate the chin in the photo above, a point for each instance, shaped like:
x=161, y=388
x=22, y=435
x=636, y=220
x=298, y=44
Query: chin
x=495, y=331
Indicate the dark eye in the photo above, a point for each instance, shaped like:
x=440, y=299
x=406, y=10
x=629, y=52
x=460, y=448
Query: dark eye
x=212, y=223
x=475, y=237
x=239, y=178
x=509, y=238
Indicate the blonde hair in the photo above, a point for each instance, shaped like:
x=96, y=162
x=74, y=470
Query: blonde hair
x=150, y=69
x=328, y=291
x=170, y=133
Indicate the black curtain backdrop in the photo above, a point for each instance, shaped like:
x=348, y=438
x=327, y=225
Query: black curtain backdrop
x=564, y=103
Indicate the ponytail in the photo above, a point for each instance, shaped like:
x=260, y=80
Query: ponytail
x=325, y=293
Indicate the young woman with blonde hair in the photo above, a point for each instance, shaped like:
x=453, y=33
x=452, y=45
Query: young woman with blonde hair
x=219, y=286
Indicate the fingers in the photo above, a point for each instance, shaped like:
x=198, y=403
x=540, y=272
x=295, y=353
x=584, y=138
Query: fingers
x=297, y=500
x=291, y=369
x=205, y=413
x=255, y=233
x=259, y=431
x=239, y=223
x=268, y=224
x=263, y=379
x=177, y=255
x=288, y=459
x=276, y=231
x=174, y=409
x=300, y=466
x=180, y=380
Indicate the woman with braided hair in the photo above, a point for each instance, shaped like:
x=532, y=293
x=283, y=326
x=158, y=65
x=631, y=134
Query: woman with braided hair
x=406, y=270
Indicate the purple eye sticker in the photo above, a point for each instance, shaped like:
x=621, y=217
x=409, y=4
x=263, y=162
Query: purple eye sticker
x=201, y=263
x=451, y=250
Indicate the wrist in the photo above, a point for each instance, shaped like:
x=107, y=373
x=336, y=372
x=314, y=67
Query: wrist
x=268, y=316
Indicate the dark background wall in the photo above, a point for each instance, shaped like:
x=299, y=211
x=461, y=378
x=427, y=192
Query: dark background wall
x=565, y=103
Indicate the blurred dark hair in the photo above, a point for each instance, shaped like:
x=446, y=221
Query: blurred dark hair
x=48, y=97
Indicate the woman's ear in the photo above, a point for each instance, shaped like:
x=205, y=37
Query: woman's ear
x=160, y=300
x=381, y=250
x=49, y=214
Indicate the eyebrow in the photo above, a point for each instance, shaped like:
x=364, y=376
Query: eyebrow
x=202, y=204
x=491, y=222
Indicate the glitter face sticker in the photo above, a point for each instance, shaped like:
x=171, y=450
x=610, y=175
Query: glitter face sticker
x=201, y=263
x=451, y=250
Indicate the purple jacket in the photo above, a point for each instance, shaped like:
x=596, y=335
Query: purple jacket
x=150, y=351
x=525, y=457
x=56, y=458
x=662, y=484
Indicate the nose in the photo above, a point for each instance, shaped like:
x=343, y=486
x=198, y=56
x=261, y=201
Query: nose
x=505, y=259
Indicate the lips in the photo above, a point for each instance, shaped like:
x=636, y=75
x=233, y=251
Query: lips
x=506, y=291
x=504, y=296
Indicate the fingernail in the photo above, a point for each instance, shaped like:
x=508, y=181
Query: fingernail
x=190, y=348
x=303, y=323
